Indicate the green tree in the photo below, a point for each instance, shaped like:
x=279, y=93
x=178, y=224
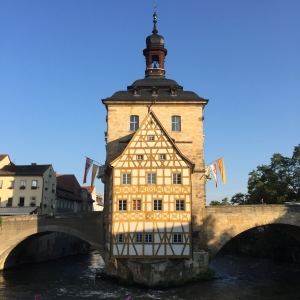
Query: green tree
x=215, y=203
x=276, y=183
x=239, y=198
x=225, y=201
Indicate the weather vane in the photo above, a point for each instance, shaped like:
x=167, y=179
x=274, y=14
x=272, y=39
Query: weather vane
x=155, y=7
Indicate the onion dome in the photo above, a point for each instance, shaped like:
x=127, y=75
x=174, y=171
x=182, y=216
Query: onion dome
x=155, y=40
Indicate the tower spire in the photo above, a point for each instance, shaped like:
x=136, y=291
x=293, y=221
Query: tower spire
x=154, y=31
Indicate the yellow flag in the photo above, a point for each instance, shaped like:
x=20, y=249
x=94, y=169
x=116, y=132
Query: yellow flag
x=94, y=171
x=221, y=166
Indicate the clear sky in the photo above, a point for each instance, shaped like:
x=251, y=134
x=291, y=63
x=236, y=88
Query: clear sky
x=58, y=59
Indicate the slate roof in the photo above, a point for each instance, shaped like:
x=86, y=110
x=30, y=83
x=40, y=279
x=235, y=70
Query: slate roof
x=144, y=88
x=24, y=170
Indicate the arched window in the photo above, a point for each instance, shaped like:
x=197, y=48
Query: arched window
x=134, y=123
x=176, y=123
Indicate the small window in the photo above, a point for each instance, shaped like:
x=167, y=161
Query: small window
x=180, y=205
x=136, y=205
x=11, y=184
x=176, y=178
x=122, y=205
x=151, y=178
x=162, y=157
x=138, y=238
x=177, y=238
x=21, y=201
x=120, y=238
x=34, y=184
x=157, y=205
x=134, y=123
x=176, y=123
x=140, y=157
x=126, y=179
x=150, y=137
x=22, y=184
x=148, y=238
x=1, y=182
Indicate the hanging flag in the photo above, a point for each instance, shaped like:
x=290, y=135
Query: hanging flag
x=94, y=171
x=221, y=166
x=88, y=164
x=214, y=171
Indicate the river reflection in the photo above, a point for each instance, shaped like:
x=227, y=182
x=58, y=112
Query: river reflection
x=238, y=277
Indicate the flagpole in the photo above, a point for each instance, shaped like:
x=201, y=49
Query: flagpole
x=95, y=161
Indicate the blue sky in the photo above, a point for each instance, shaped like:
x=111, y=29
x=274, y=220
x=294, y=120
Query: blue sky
x=58, y=59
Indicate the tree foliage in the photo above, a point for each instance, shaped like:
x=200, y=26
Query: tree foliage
x=276, y=183
x=223, y=202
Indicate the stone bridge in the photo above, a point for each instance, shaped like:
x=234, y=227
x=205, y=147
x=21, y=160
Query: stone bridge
x=217, y=225
x=15, y=229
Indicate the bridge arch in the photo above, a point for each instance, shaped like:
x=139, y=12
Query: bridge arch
x=16, y=229
x=221, y=224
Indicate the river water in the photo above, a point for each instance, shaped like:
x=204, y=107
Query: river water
x=238, y=277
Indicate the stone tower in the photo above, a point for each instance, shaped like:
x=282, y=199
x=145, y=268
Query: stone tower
x=154, y=177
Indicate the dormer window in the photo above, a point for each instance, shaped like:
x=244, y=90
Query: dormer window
x=134, y=123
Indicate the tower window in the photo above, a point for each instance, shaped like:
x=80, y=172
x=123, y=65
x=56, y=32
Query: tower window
x=120, y=238
x=176, y=123
x=148, y=238
x=139, y=238
x=177, y=178
x=134, y=123
x=126, y=179
x=151, y=178
x=157, y=205
x=177, y=238
x=180, y=205
x=136, y=205
x=122, y=205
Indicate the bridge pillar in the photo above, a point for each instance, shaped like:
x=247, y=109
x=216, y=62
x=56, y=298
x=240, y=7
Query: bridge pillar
x=150, y=272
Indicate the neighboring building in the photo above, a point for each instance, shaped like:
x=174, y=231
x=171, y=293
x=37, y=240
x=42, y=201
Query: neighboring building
x=98, y=204
x=155, y=173
x=27, y=188
x=70, y=196
x=5, y=160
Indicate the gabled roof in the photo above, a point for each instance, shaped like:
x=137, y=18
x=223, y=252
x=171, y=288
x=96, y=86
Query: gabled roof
x=2, y=156
x=166, y=136
x=10, y=170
